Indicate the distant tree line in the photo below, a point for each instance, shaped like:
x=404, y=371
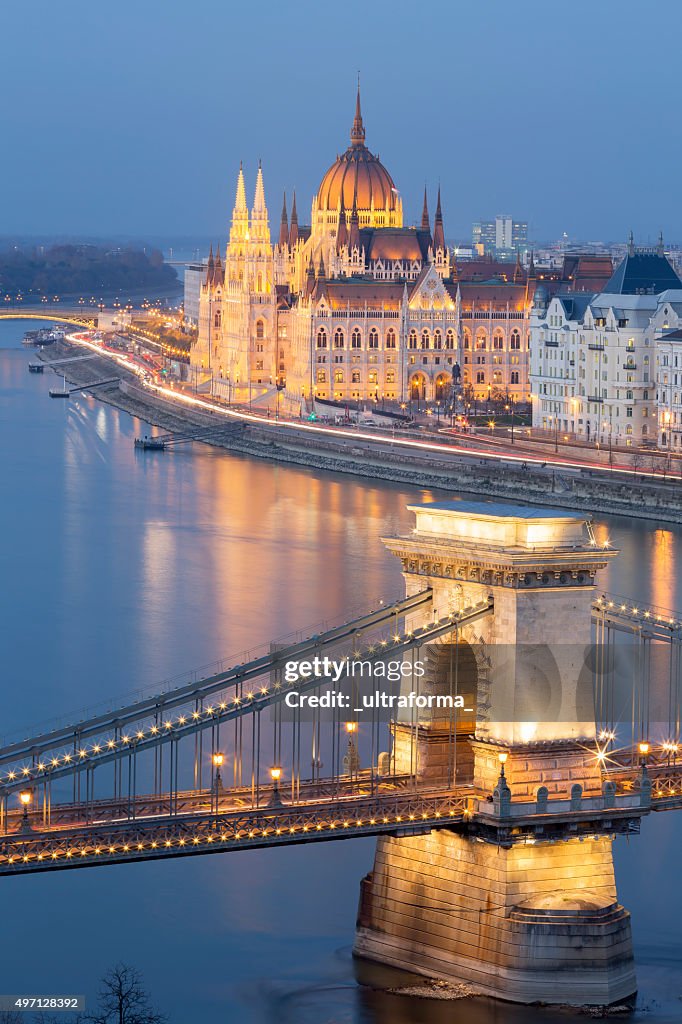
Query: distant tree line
x=84, y=270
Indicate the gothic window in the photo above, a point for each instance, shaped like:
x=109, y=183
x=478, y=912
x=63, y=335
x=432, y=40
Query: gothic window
x=498, y=340
x=390, y=377
x=515, y=342
x=437, y=339
x=260, y=329
x=425, y=339
x=338, y=376
x=259, y=364
x=515, y=376
x=260, y=282
x=355, y=377
x=216, y=319
x=412, y=340
x=467, y=338
x=321, y=376
x=338, y=338
x=374, y=338
x=356, y=338
x=450, y=339
x=480, y=377
x=390, y=338
x=321, y=338
x=481, y=338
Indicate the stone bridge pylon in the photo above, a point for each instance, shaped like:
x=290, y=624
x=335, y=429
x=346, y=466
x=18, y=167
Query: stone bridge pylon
x=527, y=915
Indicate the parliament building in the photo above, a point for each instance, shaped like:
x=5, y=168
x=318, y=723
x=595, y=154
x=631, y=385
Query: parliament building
x=357, y=305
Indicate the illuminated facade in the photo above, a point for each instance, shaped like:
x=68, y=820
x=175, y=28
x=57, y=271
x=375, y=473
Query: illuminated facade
x=356, y=306
x=604, y=366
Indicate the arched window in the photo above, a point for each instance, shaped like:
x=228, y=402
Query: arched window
x=260, y=329
x=338, y=338
x=450, y=339
x=356, y=377
x=515, y=340
x=498, y=340
x=259, y=286
x=216, y=319
x=321, y=376
x=321, y=338
x=390, y=338
x=374, y=338
x=338, y=376
x=437, y=339
x=481, y=339
x=515, y=376
x=467, y=338
x=412, y=340
x=425, y=339
x=356, y=338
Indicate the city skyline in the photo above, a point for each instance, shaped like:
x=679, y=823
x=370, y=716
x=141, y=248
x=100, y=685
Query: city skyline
x=494, y=121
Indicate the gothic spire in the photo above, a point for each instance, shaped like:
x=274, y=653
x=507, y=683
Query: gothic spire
x=342, y=233
x=354, y=238
x=426, y=226
x=321, y=270
x=210, y=266
x=240, y=206
x=631, y=244
x=284, y=224
x=259, y=197
x=357, y=133
x=438, y=232
x=218, y=276
x=660, y=248
x=293, y=228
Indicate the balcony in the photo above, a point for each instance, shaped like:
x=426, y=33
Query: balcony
x=596, y=346
x=551, y=344
x=594, y=398
x=629, y=366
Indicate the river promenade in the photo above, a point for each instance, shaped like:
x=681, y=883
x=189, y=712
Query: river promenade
x=418, y=460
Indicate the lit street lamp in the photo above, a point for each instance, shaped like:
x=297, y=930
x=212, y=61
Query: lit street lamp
x=25, y=798
x=275, y=775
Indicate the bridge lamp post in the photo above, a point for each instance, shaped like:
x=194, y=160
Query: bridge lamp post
x=351, y=761
x=275, y=775
x=643, y=751
x=25, y=798
x=502, y=758
x=218, y=760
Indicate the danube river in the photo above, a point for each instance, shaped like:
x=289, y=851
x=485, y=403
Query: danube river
x=122, y=568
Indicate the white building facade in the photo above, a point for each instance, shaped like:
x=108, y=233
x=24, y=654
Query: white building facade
x=596, y=362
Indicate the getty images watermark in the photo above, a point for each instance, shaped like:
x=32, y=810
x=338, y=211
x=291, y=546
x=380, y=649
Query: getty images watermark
x=346, y=684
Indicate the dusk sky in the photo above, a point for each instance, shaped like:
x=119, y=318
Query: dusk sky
x=131, y=118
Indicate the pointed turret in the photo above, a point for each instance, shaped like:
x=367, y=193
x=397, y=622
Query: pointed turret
x=426, y=226
x=240, y=206
x=357, y=132
x=354, y=237
x=631, y=244
x=342, y=233
x=321, y=272
x=293, y=229
x=284, y=225
x=209, y=268
x=531, y=267
x=438, y=232
x=218, y=273
x=660, y=248
x=259, y=197
x=310, y=276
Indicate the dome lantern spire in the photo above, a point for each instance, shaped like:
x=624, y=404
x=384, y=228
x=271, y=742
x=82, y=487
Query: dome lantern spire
x=357, y=132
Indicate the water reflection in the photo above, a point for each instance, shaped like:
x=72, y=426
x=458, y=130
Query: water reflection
x=126, y=568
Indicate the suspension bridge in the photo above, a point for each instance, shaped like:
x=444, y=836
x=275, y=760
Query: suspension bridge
x=235, y=758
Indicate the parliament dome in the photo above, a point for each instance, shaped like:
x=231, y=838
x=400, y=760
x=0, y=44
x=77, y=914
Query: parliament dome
x=357, y=176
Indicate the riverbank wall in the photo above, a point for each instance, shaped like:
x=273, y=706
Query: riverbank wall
x=590, y=491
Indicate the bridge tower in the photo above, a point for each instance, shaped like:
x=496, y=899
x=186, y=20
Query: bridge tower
x=524, y=912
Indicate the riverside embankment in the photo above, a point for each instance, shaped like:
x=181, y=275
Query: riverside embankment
x=385, y=458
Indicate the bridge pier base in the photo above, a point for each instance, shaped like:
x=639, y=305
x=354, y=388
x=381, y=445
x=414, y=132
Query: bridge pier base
x=523, y=923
